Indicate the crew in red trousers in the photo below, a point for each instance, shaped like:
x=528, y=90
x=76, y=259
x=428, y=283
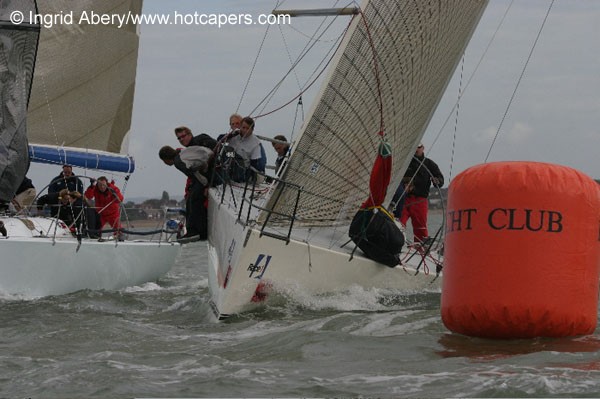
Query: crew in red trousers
x=108, y=200
x=419, y=176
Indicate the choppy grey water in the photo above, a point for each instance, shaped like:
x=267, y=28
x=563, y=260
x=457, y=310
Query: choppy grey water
x=161, y=340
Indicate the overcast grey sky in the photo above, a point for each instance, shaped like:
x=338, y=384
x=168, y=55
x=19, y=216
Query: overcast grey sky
x=194, y=75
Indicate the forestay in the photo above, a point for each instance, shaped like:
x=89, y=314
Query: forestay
x=416, y=46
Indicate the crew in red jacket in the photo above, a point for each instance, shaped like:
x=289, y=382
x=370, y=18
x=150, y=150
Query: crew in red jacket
x=108, y=200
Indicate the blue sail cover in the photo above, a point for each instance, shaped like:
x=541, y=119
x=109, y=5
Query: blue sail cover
x=18, y=46
x=81, y=158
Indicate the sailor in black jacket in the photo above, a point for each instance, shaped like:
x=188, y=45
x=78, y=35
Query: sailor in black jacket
x=422, y=172
x=194, y=162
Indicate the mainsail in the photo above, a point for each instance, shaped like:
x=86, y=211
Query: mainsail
x=416, y=46
x=18, y=44
x=82, y=95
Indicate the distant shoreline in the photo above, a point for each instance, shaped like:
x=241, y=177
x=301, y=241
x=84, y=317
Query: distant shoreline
x=146, y=224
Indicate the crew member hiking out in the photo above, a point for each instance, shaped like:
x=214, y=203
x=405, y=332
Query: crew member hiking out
x=194, y=162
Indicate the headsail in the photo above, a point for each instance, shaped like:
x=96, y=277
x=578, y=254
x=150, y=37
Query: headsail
x=18, y=44
x=417, y=46
x=82, y=93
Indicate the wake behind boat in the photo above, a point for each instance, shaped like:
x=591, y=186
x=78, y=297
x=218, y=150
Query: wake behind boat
x=385, y=80
x=79, y=114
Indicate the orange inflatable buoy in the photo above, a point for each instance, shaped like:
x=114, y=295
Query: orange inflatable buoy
x=522, y=252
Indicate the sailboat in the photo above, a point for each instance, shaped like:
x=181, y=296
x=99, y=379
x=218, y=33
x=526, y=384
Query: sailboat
x=383, y=85
x=67, y=95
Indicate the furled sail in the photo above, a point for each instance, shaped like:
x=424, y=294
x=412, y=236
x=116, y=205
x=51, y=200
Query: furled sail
x=18, y=44
x=416, y=45
x=82, y=95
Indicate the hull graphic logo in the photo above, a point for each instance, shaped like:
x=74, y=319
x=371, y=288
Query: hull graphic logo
x=260, y=266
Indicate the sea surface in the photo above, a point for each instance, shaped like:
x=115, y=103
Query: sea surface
x=161, y=340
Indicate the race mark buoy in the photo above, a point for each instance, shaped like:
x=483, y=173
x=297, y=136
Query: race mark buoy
x=522, y=252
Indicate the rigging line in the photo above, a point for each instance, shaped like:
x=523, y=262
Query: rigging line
x=473, y=73
x=334, y=41
x=462, y=69
x=325, y=57
x=254, y=65
x=305, y=50
x=122, y=203
x=303, y=54
x=312, y=38
x=309, y=80
x=271, y=93
x=311, y=83
x=519, y=80
x=319, y=67
x=267, y=99
x=51, y=117
x=301, y=92
x=287, y=50
x=298, y=105
x=376, y=70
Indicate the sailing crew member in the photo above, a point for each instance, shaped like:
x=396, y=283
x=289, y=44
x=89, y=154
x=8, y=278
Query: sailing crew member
x=186, y=138
x=249, y=152
x=235, y=122
x=422, y=172
x=24, y=195
x=66, y=179
x=108, y=199
x=71, y=209
x=281, y=149
x=195, y=162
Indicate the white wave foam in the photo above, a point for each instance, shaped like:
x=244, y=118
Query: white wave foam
x=143, y=288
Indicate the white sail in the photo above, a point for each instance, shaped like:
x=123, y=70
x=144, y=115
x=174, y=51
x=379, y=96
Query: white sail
x=84, y=82
x=80, y=109
x=416, y=46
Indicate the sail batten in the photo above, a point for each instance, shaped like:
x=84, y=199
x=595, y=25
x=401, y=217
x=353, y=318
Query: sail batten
x=416, y=46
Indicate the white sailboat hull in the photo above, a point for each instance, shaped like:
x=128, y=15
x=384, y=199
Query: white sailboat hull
x=35, y=265
x=390, y=71
x=244, y=267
